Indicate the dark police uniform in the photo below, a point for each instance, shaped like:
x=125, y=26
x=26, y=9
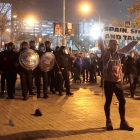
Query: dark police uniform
x=9, y=71
x=26, y=78
x=38, y=74
x=63, y=61
x=51, y=75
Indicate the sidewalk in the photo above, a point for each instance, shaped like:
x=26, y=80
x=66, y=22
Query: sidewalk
x=80, y=117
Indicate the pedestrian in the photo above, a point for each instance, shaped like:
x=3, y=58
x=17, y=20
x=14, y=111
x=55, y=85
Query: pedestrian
x=85, y=62
x=138, y=68
x=131, y=66
x=112, y=79
x=92, y=68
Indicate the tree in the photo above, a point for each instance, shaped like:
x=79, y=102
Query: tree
x=116, y=22
x=134, y=10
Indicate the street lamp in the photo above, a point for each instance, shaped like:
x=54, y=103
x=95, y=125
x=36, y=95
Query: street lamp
x=64, y=16
x=7, y=30
x=14, y=16
x=31, y=21
x=86, y=8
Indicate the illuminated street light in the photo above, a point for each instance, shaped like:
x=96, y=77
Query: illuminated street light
x=7, y=30
x=15, y=16
x=85, y=8
x=31, y=21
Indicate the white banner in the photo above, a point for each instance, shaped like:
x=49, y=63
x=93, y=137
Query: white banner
x=120, y=33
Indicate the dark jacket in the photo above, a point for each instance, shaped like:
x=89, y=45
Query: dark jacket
x=78, y=63
x=138, y=66
x=8, y=61
x=63, y=61
x=85, y=63
x=48, y=49
x=92, y=64
x=131, y=66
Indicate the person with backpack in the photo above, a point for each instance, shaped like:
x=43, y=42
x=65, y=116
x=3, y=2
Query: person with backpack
x=112, y=71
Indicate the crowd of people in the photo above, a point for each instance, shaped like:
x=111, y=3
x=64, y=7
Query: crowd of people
x=56, y=78
x=84, y=67
x=113, y=65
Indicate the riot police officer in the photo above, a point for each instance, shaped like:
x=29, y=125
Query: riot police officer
x=63, y=61
x=39, y=73
x=51, y=73
x=32, y=44
x=8, y=69
x=3, y=78
x=25, y=75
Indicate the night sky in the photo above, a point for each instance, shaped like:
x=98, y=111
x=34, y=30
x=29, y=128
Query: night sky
x=108, y=9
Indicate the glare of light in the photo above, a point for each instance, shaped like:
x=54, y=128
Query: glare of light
x=33, y=57
x=15, y=16
x=7, y=30
x=85, y=8
x=95, y=32
x=31, y=21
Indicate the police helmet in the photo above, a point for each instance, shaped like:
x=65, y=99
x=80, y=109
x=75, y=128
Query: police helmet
x=10, y=46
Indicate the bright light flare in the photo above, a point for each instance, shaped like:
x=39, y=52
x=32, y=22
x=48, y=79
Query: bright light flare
x=31, y=21
x=8, y=30
x=95, y=32
x=85, y=8
x=15, y=16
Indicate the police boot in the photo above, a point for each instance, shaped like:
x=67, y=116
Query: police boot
x=69, y=93
x=32, y=93
x=25, y=98
x=60, y=93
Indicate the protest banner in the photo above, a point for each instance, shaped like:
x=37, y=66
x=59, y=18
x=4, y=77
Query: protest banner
x=121, y=33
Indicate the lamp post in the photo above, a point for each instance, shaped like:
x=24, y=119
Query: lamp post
x=64, y=16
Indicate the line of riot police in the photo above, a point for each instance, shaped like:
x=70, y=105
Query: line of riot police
x=55, y=77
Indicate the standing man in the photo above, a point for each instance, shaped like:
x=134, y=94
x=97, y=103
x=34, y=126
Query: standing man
x=39, y=73
x=25, y=75
x=131, y=66
x=85, y=62
x=51, y=73
x=112, y=79
x=63, y=61
x=3, y=77
x=138, y=67
x=8, y=69
x=92, y=68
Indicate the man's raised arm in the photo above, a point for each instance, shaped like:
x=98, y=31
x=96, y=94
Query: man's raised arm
x=128, y=47
x=102, y=46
